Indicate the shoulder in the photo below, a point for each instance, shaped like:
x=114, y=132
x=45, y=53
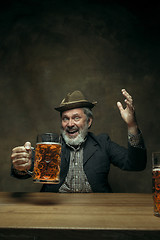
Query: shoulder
x=99, y=139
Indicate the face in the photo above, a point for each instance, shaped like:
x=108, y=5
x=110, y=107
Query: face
x=75, y=126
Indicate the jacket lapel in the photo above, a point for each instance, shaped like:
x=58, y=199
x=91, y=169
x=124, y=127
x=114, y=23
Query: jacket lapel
x=65, y=153
x=64, y=162
x=89, y=149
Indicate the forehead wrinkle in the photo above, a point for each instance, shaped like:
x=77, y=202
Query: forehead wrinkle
x=73, y=113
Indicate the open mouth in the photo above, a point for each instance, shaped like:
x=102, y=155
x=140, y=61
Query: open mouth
x=72, y=132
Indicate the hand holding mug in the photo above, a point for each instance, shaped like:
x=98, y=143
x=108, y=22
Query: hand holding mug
x=21, y=157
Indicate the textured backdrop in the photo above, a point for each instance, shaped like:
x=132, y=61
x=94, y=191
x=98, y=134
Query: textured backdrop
x=50, y=48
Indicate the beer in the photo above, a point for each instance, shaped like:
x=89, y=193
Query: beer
x=47, y=162
x=156, y=190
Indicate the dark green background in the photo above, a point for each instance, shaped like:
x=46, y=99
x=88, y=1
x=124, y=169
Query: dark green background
x=50, y=48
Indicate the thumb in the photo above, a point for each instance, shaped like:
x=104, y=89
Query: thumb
x=27, y=146
x=119, y=105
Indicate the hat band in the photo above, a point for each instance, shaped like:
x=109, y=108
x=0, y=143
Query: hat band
x=79, y=101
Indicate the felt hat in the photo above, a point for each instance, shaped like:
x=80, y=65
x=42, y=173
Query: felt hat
x=75, y=99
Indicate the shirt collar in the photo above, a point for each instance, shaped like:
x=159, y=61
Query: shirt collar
x=77, y=147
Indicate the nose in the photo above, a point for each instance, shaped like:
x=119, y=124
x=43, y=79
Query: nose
x=70, y=123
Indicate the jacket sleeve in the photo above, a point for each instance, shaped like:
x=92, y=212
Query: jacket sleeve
x=131, y=159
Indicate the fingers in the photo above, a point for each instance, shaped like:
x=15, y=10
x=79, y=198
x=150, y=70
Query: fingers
x=126, y=95
x=22, y=165
x=128, y=99
x=21, y=157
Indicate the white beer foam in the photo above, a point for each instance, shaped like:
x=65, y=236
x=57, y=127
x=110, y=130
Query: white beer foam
x=50, y=143
x=155, y=169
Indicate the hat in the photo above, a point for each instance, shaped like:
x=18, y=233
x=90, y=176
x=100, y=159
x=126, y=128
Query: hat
x=74, y=100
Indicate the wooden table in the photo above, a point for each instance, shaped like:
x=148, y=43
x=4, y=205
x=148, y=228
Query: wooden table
x=98, y=216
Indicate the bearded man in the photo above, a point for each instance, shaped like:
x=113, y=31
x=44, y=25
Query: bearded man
x=86, y=158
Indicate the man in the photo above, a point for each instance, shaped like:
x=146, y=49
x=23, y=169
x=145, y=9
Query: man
x=86, y=158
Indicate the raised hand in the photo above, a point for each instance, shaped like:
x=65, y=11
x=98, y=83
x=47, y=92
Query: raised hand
x=128, y=113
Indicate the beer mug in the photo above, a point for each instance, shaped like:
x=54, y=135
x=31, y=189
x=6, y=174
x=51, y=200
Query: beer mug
x=156, y=182
x=47, y=159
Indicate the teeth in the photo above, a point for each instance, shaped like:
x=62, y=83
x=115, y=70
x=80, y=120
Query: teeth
x=72, y=131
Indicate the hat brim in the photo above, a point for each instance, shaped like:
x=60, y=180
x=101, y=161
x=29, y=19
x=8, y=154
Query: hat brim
x=68, y=106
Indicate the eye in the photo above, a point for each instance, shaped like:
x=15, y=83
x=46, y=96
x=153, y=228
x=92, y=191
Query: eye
x=77, y=118
x=65, y=119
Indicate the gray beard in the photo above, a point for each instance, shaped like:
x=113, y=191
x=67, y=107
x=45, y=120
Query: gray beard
x=77, y=140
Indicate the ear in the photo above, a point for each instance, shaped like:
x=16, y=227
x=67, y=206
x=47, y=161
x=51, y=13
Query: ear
x=89, y=122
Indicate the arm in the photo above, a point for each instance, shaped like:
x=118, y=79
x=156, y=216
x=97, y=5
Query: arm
x=131, y=159
x=128, y=113
x=135, y=157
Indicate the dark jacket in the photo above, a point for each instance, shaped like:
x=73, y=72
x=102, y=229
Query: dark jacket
x=99, y=153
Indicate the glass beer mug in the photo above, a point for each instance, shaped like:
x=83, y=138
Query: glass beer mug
x=47, y=159
x=156, y=182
